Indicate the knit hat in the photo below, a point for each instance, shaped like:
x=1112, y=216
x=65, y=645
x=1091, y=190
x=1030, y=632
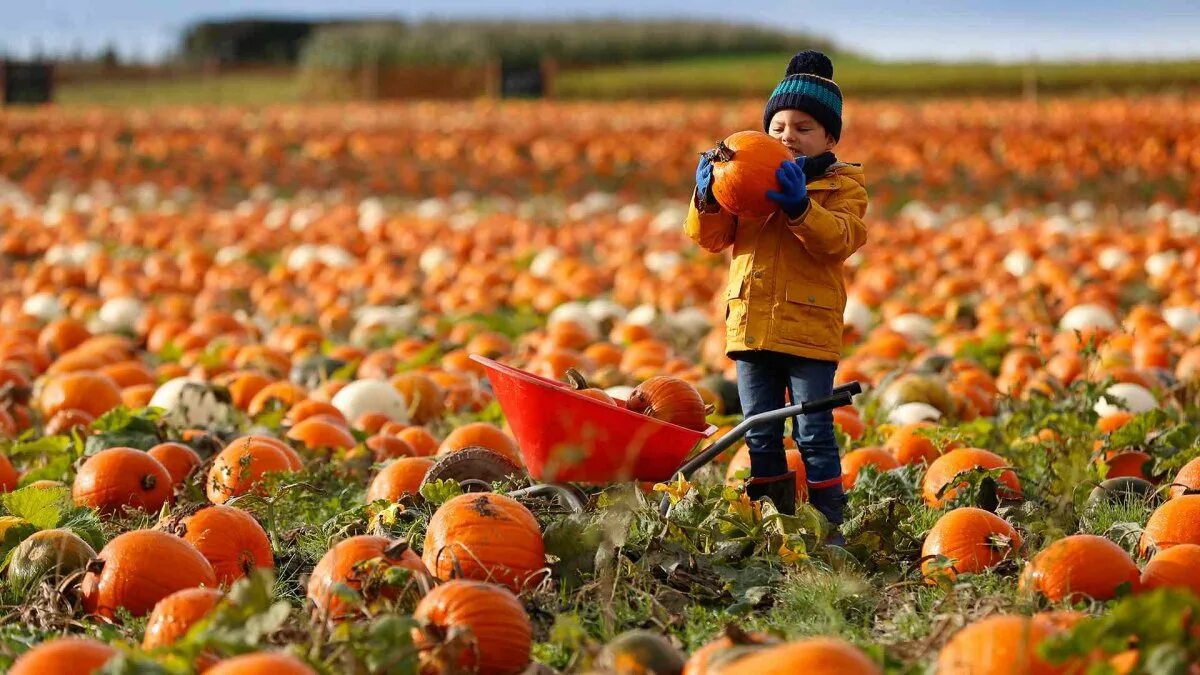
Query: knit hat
x=808, y=86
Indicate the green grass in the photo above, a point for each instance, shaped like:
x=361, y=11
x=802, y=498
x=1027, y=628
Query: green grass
x=719, y=76
x=757, y=75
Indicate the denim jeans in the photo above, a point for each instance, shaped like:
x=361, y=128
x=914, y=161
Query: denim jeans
x=762, y=378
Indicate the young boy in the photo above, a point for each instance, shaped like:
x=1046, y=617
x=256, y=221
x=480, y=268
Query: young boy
x=786, y=293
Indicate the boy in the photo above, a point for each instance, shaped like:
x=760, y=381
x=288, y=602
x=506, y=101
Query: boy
x=786, y=292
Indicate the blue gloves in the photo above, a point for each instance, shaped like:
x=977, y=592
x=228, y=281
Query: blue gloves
x=793, y=194
x=704, y=176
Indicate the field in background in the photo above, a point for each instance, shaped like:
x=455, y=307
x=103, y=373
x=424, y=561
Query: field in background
x=727, y=76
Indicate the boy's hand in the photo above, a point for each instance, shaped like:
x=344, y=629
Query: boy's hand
x=792, y=196
x=704, y=176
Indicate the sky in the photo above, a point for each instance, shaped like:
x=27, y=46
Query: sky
x=1013, y=30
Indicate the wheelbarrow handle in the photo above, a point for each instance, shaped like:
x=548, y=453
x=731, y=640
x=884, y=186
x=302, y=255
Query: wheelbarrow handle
x=841, y=396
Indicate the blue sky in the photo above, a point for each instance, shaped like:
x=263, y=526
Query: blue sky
x=937, y=29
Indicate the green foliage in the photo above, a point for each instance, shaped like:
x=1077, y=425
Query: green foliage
x=1161, y=623
x=122, y=427
x=572, y=42
x=51, y=508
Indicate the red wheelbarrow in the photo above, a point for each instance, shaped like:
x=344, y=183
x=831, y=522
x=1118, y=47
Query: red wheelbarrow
x=566, y=437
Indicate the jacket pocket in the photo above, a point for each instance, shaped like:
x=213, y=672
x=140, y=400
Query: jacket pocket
x=733, y=289
x=810, y=315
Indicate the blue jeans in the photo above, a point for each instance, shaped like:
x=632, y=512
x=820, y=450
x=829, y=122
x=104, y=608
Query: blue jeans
x=762, y=379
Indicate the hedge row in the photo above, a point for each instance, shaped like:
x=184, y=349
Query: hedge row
x=572, y=43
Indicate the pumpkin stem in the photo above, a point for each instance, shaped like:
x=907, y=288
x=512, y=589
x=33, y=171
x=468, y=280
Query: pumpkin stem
x=578, y=382
x=396, y=548
x=721, y=153
x=709, y=409
x=149, y=481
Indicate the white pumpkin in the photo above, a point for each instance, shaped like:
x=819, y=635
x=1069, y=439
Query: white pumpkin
x=1112, y=258
x=912, y=326
x=858, y=314
x=190, y=403
x=643, y=315
x=911, y=413
x=1183, y=319
x=620, y=392
x=363, y=396
x=603, y=310
x=432, y=258
x=576, y=313
x=1018, y=263
x=43, y=306
x=120, y=314
x=1087, y=316
x=1125, y=396
x=691, y=321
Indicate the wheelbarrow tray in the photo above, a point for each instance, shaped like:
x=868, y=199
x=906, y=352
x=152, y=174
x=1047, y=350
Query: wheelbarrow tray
x=564, y=436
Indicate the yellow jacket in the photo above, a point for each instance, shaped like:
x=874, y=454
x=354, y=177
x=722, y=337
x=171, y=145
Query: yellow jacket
x=786, y=292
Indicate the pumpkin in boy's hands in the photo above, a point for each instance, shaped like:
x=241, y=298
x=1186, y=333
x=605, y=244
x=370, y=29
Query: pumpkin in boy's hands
x=744, y=167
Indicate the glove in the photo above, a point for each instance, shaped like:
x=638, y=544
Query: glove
x=704, y=176
x=792, y=196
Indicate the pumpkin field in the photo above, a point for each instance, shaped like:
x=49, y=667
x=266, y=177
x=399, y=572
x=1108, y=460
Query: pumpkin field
x=243, y=431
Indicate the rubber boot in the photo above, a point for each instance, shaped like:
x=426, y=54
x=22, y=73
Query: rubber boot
x=781, y=490
x=831, y=502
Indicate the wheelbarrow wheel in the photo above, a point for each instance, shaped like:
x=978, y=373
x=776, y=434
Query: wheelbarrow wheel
x=475, y=467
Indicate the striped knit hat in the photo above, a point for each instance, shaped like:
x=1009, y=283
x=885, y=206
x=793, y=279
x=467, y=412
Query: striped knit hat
x=808, y=86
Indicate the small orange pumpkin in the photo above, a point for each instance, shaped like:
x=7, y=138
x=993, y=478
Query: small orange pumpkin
x=117, y=477
x=138, y=568
x=489, y=537
x=342, y=564
x=498, y=625
x=744, y=166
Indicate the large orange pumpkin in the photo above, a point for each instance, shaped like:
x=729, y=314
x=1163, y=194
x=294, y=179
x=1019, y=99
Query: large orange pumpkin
x=1173, y=567
x=972, y=539
x=241, y=466
x=1175, y=522
x=344, y=564
x=810, y=655
x=230, y=539
x=936, y=486
x=998, y=645
x=118, y=477
x=261, y=663
x=498, y=625
x=64, y=655
x=744, y=166
x=84, y=390
x=1080, y=565
x=138, y=568
x=488, y=537
x=400, y=477
x=481, y=434
x=1187, y=481
x=175, y=614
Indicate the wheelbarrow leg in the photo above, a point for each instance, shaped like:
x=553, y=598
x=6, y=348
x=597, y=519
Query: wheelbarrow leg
x=841, y=396
x=565, y=494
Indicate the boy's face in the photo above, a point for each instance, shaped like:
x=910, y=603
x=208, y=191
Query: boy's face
x=802, y=134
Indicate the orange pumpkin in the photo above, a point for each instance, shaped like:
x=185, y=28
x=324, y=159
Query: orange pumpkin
x=138, y=568
x=1080, y=565
x=488, y=537
x=261, y=663
x=400, y=477
x=178, y=459
x=118, y=477
x=810, y=655
x=744, y=166
x=854, y=461
x=480, y=434
x=64, y=655
x=998, y=645
x=175, y=614
x=343, y=564
x=972, y=539
x=669, y=399
x=936, y=486
x=423, y=443
x=232, y=541
x=1175, y=522
x=498, y=625
x=241, y=466
x=1187, y=481
x=1173, y=567
x=85, y=390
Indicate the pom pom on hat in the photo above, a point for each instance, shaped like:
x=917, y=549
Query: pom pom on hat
x=810, y=62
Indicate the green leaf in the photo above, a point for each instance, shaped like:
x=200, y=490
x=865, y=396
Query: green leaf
x=441, y=491
x=43, y=507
